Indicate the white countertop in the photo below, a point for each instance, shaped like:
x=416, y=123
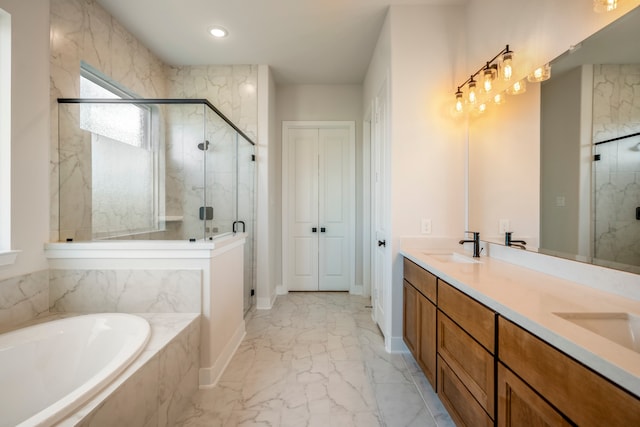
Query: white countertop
x=529, y=298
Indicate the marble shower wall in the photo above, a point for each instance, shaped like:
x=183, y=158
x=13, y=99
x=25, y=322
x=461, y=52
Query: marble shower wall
x=616, y=113
x=81, y=30
x=23, y=298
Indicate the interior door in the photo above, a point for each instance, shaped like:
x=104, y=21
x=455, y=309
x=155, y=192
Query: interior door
x=379, y=201
x=334, y=210
x=303, y=209
x=319, y=185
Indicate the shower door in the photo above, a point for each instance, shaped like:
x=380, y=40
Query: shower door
x=616, y=203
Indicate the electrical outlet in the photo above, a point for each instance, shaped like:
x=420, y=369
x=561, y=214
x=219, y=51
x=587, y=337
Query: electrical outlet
x=505, y=225
x=426, y=226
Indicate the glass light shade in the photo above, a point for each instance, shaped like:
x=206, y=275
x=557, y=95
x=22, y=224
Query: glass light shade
x=499, y=98
x=482, y=108
x=459, y=105
x=506, y=68
x=604, y=5
x=487, y=78
x=517, y=88
x=472, y=96
x=540, y=74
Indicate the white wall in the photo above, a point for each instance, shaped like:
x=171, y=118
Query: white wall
x=269, y=234
x=418, y=49
x=328, y=102
x=29, y=134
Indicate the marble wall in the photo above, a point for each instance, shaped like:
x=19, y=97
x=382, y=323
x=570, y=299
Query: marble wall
x=616, y=113
x=23, y=298
x=126, y=291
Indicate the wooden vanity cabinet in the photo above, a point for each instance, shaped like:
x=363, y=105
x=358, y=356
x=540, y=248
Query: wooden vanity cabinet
x=583, y=396
x=466, y=361
x=419, y=317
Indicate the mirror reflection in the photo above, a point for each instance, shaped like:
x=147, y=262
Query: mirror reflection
x=578, y=197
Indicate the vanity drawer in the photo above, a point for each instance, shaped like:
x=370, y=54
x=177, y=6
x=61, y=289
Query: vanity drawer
x=473, y=365
x=473, y=317
x=463, y=408
x=421, y=279
x=585, y=397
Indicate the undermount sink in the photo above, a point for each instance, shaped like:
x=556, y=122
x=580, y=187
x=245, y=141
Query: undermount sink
x=452, y=257
x=621, y=328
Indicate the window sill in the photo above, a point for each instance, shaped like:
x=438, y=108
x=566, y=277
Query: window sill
x=8, y=257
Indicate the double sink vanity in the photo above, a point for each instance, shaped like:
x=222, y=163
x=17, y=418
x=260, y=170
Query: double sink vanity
x=505, y=345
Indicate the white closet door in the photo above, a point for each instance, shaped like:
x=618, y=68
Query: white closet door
x=319, y=204
x=334, y=216
x=303, y=209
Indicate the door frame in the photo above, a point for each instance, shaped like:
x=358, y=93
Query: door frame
x=351, y=127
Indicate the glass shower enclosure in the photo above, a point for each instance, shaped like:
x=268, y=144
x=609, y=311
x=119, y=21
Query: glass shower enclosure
x=154, y=169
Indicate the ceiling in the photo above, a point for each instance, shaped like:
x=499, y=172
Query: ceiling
x=304, y=41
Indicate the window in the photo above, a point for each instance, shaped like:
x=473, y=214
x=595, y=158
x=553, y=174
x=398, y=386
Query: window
x=6, y=255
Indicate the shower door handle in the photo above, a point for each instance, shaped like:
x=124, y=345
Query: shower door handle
x=244, y=227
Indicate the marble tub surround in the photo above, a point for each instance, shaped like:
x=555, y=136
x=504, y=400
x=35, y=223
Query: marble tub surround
x=125, y=291
x=157, y=386
x=316, y=359
x=23, y=298
x=530, y=298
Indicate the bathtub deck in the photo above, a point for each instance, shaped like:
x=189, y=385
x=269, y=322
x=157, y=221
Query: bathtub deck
x=154, y=389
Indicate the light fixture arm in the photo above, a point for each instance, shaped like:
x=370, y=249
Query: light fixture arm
x=489, y=64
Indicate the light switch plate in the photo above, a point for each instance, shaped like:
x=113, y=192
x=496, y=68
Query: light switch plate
x=426, y=226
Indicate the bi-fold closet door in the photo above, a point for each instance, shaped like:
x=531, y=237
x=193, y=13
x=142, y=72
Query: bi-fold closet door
x=320, y=209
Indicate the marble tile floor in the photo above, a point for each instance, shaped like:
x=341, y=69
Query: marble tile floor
x=317, y=359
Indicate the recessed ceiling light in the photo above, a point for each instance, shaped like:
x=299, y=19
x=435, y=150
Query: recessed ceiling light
x=218, y=32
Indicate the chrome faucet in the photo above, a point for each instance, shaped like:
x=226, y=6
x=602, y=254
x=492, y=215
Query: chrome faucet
x=475, y=241
x=515, y=243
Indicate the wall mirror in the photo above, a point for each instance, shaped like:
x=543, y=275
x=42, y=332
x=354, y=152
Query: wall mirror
x=559, y=166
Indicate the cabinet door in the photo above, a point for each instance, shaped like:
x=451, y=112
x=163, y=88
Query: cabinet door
x=520, y=406
x=427, y=339
x=469, y=360
x=410, y=317
x=463, y=408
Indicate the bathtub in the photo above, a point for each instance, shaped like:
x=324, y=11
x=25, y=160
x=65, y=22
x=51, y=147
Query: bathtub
x=49, y=370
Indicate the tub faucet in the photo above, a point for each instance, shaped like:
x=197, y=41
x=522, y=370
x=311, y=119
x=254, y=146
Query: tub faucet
x=508, y=241
x=475, y=241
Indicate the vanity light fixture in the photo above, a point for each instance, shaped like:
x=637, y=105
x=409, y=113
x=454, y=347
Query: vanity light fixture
x=218, y=32
x=490, y=72
x=540, y=74
x=604, y=5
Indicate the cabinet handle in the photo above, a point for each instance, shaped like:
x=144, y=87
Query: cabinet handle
x=314, y=230
x=382, y=243
x=323, y=230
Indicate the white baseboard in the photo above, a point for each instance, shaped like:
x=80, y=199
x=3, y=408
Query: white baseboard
x=396, y=345
x=266, y=303
x=357, y=290
x=281, y=290
x=209, y=377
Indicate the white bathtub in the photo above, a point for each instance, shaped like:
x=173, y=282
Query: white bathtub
x=49, y=370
